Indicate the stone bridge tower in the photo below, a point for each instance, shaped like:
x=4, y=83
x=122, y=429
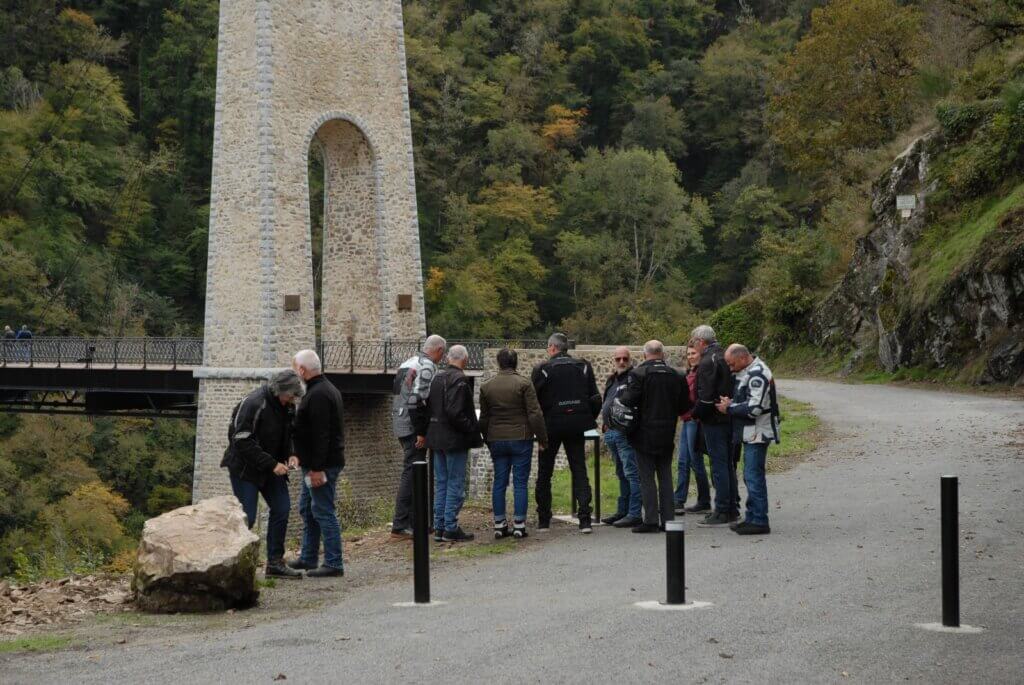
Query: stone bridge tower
x=292, y=75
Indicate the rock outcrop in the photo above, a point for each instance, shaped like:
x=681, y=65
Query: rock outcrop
x=197, y=558
x=978, y=314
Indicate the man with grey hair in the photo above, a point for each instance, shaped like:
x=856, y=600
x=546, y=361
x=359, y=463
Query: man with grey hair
x=319, y=441
x=659, y=394
x=754, y=408
x=571, y=402
x=714, y=381
x=259, y=445
x=454, y=430
x=409, y=421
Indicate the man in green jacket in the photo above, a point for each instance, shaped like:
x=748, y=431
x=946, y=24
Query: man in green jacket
x=510, y=417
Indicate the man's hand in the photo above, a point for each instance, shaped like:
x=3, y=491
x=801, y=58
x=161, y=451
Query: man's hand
x=542, y=446
x=421, y=441
x=317, y=478
x=293, y=462
x=281, y=470
x=723, y=404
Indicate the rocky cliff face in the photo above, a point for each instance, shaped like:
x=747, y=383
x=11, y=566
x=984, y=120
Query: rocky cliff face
x=977, y=317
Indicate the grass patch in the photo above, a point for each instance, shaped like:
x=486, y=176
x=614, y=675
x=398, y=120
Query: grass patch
x=801, y=432
x=948, y=246
x=806, y=361
x=471, y=551
x=270, y=583
x=39, y=643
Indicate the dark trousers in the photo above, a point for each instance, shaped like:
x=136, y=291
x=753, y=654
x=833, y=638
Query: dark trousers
x=275, y=494
x=718, y=439
x=403, y=500
x=575, y=452
x=651, y=465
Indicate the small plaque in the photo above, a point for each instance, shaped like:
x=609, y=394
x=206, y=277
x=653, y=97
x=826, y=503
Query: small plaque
x=405, y=303
x=292, y=303
x=906, y=202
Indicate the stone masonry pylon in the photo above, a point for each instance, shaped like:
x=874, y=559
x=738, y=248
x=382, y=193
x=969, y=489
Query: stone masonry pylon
x=291, y=75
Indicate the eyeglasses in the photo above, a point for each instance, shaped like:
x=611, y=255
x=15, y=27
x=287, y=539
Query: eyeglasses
x=621, y=359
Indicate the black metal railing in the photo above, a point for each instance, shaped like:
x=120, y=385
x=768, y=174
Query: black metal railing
x=144, y=352
x=349, y=355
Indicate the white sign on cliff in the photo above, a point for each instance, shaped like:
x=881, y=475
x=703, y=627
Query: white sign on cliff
x=906, y=204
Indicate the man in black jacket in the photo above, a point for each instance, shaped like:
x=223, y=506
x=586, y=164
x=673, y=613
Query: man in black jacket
x=319, y=441
x=453, y=431
x=569, y=398
x=714, y=381
x=659, y=394
x=259, y=444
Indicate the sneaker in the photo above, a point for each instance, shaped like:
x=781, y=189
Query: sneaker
x=299, y=565
x=610, y=520
x=402, y=533
x=716, y=519
x=325, y=572
x=279, y=569
x=501, y=530
x=646, y=528
x=680, y=509
x=627, y=522
x=457, y=535
x=698, y=509
x=544, y=524
x=747, y=528
x=519, y=529
x=438, y=535
x=585, y=527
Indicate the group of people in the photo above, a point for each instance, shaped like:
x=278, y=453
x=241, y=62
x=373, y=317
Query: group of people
x=725, y=401
x=23, y=333
x=293, y=423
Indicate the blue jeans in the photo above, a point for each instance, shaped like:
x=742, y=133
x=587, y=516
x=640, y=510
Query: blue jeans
x=511, y=457
x=316, y=506
x=718, y=438
x=449, y=487
x=691, y=459
x=629, y=503
x=754, y=458
x=275, y=494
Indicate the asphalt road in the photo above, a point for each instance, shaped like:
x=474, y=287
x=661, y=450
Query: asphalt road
x=832, y=595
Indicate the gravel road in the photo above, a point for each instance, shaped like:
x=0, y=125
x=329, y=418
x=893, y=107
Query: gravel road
x=832, y=595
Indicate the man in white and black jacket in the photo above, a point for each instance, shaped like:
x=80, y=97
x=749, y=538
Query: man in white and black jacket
x=754, y=409
x=410, y=421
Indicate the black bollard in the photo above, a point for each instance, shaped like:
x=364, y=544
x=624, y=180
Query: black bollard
x=950, y=554
x=420, y=542
x=675, y=553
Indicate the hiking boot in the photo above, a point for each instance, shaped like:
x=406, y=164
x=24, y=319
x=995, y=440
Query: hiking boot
x=501, y=530
x=717, y=519
x=543, y=524
x=299, y=565
x=610, y=520
x=519, y=530
x=438, y=535
x=747, y=528
x=627, y=522
x=278, y=569
x=585, y=527
x=647, y=528
x=680, y=509
x=402, y=533
x=698, y=509
x=457, y=535
x=326, y=572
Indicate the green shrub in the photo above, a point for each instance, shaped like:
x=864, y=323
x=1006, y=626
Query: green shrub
x=959, y=120
x=739, y=322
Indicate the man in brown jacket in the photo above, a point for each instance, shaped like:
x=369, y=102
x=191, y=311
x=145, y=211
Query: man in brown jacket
x=510, y=417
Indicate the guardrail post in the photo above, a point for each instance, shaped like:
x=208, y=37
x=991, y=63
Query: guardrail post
x=58, y=353
x=174, y=354
x=420, y=542
x=387, y=353
x=950, y=553
x=116, y=349
x=144, y=360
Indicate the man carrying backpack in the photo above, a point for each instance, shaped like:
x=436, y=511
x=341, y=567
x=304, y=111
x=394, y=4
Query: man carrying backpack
x=571, y=402
x=259, y=443
x=755, y=411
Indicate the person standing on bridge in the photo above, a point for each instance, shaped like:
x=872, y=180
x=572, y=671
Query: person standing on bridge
x=409, y=420
x=454, y=430
x=571, y=402
x=259, y=444
x=319, y=441
x=754, y=408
